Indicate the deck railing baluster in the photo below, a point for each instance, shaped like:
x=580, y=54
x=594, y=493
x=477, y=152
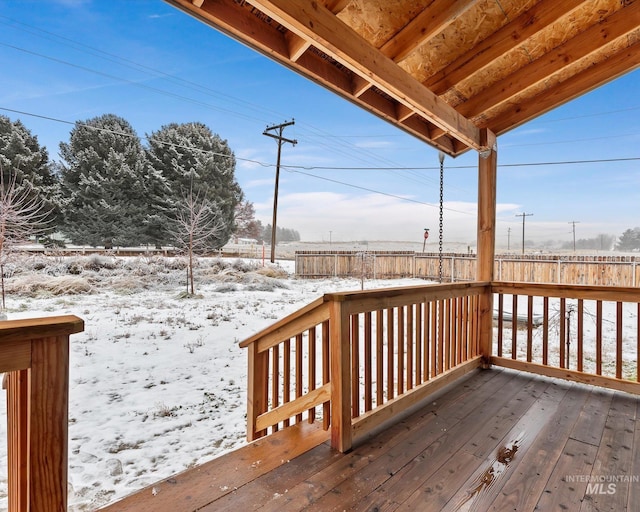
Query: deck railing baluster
x=599, y=327
x=355, y=366
x=514, y=327
x=311, y=413
x=326, y=406
x=618, y=340
x=418, y=343
x=562, y=339
x=401, y=350
x=368, y=361
x=379, y=357
x=299, y=371
x=390, y=354
x=426, y=339
x=580, y=336
x=599, y=337
x=275, y=381
x=410, y=350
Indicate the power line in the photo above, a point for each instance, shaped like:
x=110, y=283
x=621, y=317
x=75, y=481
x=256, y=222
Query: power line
x=110, y=57
x=526, y=164
x=298, y=169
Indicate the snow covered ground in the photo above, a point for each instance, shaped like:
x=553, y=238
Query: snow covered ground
x=157, y=380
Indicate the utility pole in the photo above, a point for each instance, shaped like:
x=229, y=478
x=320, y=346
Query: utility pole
x=523, y=215
x=574, y=222
x=279, y=128
x=508, y=239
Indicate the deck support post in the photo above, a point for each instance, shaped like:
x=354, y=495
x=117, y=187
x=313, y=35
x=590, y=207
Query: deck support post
x=487, y=182
x=34, y=355
x=17, y=385
x=37, y=428
x=48, y=423
x=341, y=433
x=257, y=393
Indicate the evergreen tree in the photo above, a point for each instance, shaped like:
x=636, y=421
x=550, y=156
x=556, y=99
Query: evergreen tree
x=111, y=194
x=629, y=241
x=26, y=164
x=191, y=154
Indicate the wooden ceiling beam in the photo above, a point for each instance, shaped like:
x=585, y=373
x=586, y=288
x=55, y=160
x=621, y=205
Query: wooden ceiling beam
x=504, y=40
x=235, y=20
x=581, y=46
x=579, y=84
x=422, y=129
x=297, y=45
x=431, y=21
x=335, y=6
x=360, y=85
x=330, y=35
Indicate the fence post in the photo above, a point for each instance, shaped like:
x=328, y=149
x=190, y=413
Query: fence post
x=341, y=434
x=559, y=270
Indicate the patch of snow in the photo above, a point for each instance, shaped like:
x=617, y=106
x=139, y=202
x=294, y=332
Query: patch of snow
x=157, y=382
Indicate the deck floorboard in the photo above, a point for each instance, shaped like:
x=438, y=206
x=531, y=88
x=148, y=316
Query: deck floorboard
x=495, y=440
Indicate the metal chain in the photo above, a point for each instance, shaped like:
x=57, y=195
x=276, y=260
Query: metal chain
x=441, y=214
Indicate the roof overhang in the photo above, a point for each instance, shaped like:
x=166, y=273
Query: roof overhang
x=454, y=73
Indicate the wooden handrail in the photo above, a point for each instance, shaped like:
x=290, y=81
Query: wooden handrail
x=282, y=322
x=550, y=337
x=376, y=348
x=35, y=355
x=576, y=291
x=389, y=347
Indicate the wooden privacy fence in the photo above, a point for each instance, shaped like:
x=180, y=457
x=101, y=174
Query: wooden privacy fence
x=34, y=355
x=590, y=270
x=357, y=359
x=583, y=333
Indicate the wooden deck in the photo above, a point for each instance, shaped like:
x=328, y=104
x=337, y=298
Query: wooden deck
x=495, y=440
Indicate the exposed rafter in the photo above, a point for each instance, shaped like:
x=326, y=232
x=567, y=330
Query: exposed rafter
x=441, y=70
x=329, y=34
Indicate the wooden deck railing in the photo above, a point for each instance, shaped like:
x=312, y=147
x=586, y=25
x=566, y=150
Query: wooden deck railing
x=356, y=359
x=589, y=334
x=34, y=355
x=281, y=389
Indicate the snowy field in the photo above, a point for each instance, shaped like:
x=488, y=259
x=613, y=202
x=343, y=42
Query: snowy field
x=157, y=380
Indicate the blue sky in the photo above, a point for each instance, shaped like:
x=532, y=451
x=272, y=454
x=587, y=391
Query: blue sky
x=71, y=60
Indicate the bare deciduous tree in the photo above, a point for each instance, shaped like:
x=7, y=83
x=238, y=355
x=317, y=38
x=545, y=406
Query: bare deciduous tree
x=22, y=214
x=196, y=221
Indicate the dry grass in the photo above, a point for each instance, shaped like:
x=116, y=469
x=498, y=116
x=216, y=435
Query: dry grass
x=37, y=284
x=32, y=276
